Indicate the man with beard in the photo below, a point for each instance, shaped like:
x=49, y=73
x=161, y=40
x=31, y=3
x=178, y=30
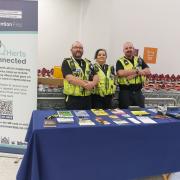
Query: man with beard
x=131, y=71
x=79, y=79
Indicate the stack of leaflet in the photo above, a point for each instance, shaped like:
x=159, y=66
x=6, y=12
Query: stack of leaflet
x=116, y=119
x=84, y=118
x=81, y=113
x=65, y=117
x=120, y=121
x=86, y=122
x=142, y=117
x=99, y=112
x=118, y=111
x=140, y=113
x=146, y=120
x=50, y=123
x=102, y=121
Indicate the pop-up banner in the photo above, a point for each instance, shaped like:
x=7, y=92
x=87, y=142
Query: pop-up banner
x=18, y=80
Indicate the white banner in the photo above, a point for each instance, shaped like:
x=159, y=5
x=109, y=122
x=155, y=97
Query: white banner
x=18, y=85
x=18, y=74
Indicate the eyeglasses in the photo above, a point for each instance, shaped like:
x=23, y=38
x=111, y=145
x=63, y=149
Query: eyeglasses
x=77, y=47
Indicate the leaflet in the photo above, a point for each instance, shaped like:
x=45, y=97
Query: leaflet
x=134, y=120
x=153, y=110
x=50, y=123
x=126, y=115
x=113, y=116
x=65, y=114
x=146, y=120
x=62, y=120
x=139, y=113
x=118, y=111
x=99, y=112
x=81, y=113
x=121, y=122
x=86, y=122
x=102, y=121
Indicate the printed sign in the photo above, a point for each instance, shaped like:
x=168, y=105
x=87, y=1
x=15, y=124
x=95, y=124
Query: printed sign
x=150, y=55
x=18, y=80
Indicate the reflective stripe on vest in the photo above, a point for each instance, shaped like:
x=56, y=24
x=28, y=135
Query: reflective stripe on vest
x=129, y=66
x=73, y=90
x=106, y=84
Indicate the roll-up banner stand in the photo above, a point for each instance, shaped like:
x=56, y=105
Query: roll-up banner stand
x=18, y=71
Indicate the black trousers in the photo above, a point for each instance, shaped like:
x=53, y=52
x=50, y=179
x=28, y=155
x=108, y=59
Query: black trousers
x=78, y=102
x=130, y=98
x=99, y=102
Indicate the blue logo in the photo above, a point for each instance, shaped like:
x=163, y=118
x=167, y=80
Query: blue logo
x=4, y=51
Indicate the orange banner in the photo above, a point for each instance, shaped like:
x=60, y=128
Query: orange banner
x=150, y=55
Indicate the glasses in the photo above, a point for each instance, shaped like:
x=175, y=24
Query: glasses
x=76, y=47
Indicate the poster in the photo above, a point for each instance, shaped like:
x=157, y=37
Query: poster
x=150, y=55
x=18, y=79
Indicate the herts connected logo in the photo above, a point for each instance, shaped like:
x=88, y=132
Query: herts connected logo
x=2, y=48
x=9, y=52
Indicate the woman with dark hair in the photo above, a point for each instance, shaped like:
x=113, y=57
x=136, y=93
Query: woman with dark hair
x=105, y=89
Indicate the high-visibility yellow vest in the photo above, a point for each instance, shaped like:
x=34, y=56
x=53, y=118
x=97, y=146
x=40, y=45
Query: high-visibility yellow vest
x=74, y=90
x=129, y=66
x=106, y=85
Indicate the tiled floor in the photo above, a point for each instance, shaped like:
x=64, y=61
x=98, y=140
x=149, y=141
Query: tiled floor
x=9, y=165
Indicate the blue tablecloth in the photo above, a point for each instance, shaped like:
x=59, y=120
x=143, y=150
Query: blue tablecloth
x=102, y=152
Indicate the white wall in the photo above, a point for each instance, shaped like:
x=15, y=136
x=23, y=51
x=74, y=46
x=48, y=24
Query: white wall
x=108, y=24
x=146, y=23
x=95, y=26
x=58, y=27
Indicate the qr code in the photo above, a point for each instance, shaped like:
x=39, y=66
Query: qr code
x=6, y=109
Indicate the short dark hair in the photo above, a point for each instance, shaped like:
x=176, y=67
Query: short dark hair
x=97, y=51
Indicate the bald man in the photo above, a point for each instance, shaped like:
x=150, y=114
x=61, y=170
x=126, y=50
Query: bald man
x=79, y=79
x=131, y=71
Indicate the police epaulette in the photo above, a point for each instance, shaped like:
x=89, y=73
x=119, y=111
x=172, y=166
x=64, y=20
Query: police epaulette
x=96, y=69
x=66, y=59
x=87, y=60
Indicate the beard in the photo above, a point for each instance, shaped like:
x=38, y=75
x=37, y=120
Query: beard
x=129, y=54
x=77, y=55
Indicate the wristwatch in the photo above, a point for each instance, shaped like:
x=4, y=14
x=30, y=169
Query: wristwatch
x=137, y=71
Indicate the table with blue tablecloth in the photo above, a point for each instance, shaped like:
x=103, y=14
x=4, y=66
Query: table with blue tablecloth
x=100, y=152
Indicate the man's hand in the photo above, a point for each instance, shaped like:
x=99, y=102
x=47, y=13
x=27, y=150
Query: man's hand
x=89, y=85
x=141, y=73
x=144, y=72
x=131, y=76
x=75, y=80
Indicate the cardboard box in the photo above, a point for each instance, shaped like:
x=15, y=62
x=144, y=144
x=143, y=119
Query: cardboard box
x=50, y=81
